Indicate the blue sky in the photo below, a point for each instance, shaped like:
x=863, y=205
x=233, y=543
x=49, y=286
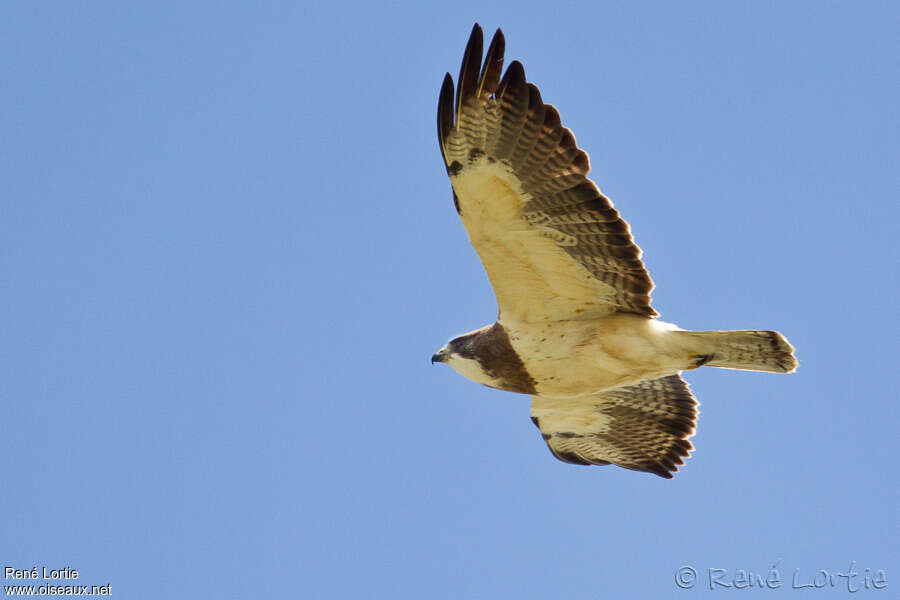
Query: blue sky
x=228, y=249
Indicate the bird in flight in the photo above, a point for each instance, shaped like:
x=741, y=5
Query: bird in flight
x=575, y=328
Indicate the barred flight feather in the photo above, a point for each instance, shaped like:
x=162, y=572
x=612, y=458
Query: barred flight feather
x=494, y=120
x=643, y=427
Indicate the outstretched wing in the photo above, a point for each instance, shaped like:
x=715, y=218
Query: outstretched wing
x=553, y=246
x=643, y=427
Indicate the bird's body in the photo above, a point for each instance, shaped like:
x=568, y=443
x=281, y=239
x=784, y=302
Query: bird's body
x=609, y=352
x=613, y=351
x=575, y=329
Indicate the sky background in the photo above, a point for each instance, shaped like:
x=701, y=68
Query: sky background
x=228, y=249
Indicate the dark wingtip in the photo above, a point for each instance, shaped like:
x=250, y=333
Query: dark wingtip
x=445, y=112
x=499, y=41
x=656, y=468
x=518, y=71
x=513, y=78
x=493, y=66
x=470, y=68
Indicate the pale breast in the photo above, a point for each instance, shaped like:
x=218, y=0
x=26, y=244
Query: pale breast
x=568, y=358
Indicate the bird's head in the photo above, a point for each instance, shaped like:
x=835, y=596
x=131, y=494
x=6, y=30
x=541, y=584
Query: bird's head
x=452, y=351
x=464, y=354
x=441, y=355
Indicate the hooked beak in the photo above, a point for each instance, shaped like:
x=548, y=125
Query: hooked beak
x=439, y=356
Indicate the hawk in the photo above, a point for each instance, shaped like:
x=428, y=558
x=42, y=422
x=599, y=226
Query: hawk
x=575, y=328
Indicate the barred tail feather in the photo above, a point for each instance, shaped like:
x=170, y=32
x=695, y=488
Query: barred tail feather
x=767, y=351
